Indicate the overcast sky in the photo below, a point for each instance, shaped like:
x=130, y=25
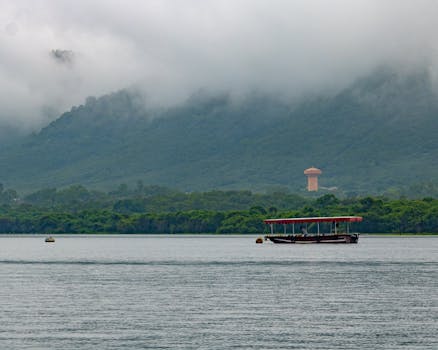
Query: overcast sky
x=55, y=53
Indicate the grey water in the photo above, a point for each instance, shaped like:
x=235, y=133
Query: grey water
x=217, y=292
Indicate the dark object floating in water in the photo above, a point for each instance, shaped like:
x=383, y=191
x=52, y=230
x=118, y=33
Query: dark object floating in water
x=334, y=235
x=259, y=240
x=50, y=239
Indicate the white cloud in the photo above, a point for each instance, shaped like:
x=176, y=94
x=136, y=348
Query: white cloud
x=174, y=47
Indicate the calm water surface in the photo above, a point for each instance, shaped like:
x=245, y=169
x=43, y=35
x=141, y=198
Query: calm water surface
x=192, y=292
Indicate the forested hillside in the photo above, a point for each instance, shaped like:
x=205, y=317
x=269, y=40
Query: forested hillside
x=378, y=135
x=152, y=209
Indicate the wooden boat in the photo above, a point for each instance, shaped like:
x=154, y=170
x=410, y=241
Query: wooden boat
x=50, y=239
x=337, y=230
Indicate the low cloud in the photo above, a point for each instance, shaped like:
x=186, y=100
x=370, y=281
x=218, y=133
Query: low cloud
x=62, y=56
x=53, y=54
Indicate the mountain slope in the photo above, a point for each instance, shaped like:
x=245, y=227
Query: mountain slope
x=378, y=133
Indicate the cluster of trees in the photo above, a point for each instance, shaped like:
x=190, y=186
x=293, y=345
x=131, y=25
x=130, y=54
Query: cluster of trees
x=153, y=209
x=7, y=196
x=155, y=199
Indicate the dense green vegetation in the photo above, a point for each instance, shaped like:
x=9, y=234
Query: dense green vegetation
x=378, y=135
x=154, y=209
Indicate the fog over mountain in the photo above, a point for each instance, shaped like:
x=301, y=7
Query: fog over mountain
x=53, y=54
x=378, y=135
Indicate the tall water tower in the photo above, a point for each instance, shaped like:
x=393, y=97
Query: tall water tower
x=312, y=178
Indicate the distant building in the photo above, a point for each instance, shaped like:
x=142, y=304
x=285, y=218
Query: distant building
x=312, y=178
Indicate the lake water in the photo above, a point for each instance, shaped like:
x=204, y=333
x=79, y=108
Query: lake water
x=208, y=292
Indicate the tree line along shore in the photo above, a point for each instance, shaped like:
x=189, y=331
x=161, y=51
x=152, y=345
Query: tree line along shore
x=154, y=209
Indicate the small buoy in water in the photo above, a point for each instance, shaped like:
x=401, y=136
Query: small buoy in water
x=259, y=240
x=50, y=239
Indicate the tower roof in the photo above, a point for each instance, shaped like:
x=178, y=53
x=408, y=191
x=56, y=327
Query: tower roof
x=312, y=171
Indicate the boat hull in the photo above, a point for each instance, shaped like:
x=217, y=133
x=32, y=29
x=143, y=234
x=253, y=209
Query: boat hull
x=317, y=239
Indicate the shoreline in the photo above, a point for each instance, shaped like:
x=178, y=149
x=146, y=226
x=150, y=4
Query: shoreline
x=196, y=234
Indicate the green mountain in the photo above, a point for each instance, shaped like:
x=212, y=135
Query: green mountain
x=10, y=135
x=379, y=133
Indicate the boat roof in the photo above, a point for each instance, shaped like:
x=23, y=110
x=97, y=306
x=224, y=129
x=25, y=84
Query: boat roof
x=314, y=219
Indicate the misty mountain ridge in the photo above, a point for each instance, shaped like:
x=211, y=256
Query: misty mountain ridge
x=378, y=133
